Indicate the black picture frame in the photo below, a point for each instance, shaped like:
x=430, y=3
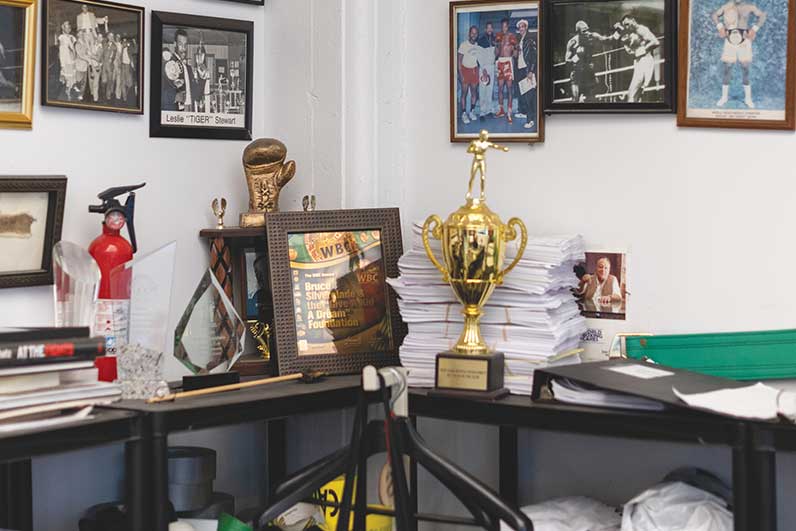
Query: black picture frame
x=55, y=187
x=47, y=49
x=156, y=128
x=669, y=66
x=279, y=225
x=249, y=2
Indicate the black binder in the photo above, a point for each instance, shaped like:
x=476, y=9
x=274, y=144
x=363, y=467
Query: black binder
x=600, y=375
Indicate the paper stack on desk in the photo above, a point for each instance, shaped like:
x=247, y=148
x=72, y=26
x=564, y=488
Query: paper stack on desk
x=532, y=318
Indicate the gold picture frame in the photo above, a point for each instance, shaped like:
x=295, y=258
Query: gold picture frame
x=23, y=119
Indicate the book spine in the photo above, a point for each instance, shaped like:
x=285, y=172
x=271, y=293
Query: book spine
x=53, y=351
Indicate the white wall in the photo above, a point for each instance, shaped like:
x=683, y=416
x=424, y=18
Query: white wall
x=701, y=213
x=98, y=150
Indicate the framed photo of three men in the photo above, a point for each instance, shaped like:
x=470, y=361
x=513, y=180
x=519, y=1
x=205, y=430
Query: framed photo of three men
x=494, y=70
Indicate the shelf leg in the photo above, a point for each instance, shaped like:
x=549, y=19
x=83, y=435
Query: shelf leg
x=509, y=466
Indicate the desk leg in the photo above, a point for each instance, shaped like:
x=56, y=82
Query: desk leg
x=413, y=493
x=763, y=491
x=277, y=454
x=16, y=493
x=137, y=474
x=741, y=481
x=160, y=481
x=509, y=465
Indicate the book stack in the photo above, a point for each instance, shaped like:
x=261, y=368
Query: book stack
x=47, y=377
x=532, y=318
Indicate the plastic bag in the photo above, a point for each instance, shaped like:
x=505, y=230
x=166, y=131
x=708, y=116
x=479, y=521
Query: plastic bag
x=674, y=507
x=576, y=513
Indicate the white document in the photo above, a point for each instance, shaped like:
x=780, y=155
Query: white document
x=758, y=402
x=526, y=84
x=572, y=393
x=640, y=371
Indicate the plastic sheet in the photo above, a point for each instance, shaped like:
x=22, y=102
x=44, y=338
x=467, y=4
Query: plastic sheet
x=674, y=507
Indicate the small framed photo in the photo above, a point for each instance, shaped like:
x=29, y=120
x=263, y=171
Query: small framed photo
x=17, y=62
x=334, y=310
x=611, y=56
x=602, y=290
x=249, y=2
x=31, y=217
x=92, y=56
x=494, y=70
x=201, y=77
x=737, y=64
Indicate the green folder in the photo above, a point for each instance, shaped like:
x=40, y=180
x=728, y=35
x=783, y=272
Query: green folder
x=738, y=355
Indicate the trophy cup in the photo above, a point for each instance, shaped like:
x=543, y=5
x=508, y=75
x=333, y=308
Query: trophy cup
x=266, y=174
x=473, y=246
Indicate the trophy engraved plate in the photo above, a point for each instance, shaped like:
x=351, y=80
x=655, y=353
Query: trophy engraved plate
x=473, y=248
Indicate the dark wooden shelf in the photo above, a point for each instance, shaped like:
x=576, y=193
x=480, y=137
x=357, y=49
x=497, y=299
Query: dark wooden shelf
x=233, y=232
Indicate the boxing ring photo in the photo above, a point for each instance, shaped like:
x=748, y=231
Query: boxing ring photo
x=610, y=56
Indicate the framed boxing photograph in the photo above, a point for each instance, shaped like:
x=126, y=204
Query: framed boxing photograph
x=201, y=77
x=737, y=64
x=92, y=55
x=495, y=79
x=610, y=56
x=17, y=62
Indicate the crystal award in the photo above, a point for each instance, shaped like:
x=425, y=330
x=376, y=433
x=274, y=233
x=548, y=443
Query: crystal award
x=76, y=284
x=209, y=337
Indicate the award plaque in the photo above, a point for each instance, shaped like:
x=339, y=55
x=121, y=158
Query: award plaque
x=473, y=247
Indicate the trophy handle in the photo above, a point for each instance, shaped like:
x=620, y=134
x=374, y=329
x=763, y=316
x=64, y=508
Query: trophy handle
x=511, y=234
x=436, y=232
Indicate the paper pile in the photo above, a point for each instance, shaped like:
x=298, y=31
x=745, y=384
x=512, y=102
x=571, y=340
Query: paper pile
x=532, y=318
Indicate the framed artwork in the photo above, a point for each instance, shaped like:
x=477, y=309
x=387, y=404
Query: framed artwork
x=334, y=310
x=31, y=217
x=249, y=2
x=611, y=56
x=736, y=64
x=494, y=70
x=201, y=77
x=17, y=62
x=92, y=56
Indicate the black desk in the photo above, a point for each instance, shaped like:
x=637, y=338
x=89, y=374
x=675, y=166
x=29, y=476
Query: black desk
x=105, y=427
x=270, y=403
x=519, y=412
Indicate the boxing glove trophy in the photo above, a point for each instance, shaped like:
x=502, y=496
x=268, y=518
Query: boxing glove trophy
x=266, y=174
x=473, y=246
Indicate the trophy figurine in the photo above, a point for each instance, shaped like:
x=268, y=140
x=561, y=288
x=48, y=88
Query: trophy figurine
x=473, y=247
x=266, y=174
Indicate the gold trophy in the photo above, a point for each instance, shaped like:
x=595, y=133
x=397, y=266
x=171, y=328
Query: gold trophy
x=266, y=174
x=473, y=246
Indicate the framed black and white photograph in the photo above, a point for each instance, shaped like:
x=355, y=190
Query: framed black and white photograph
x=201, y=77
x=494, y=70
x=92, y=56
x=611, y=56
x=17, y=62
x=333, y=308
x=31, y=217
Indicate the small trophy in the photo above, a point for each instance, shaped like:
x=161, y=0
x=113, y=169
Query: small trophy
x=473, y=246
x=266, y=174
x=218, y=211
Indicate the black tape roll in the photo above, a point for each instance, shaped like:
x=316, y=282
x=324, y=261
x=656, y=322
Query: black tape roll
x=191, y=465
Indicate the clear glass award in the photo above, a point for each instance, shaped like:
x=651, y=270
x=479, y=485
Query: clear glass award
x=209, y=337
x=76, y=283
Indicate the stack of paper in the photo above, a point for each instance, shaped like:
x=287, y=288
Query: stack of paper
x=532, y=318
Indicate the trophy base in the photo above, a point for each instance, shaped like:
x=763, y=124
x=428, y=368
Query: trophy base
x=203, y=381
x=475, y=375
x=252, y=219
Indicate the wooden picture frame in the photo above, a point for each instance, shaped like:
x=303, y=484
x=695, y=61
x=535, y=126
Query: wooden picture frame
x=494, y=87
x=614, y=71
x=31, y=226
x=333, y=310
x=102, y=88
x=17, y=111
x=777, y=34
x=224, y=110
